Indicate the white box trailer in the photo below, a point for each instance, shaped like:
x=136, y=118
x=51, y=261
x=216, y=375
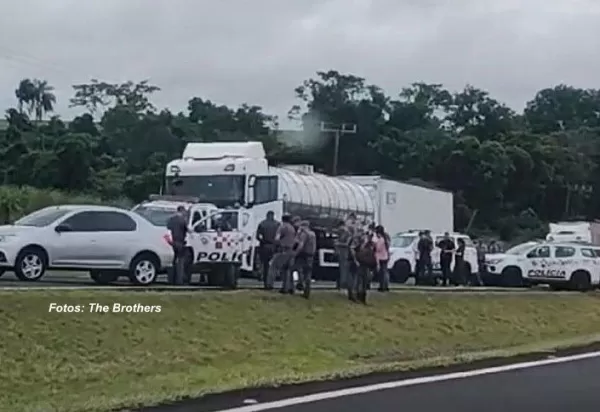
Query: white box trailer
x=400, y=207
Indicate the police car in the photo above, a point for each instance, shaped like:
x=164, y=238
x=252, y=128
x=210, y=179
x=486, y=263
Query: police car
x=221, y=241
x=497, y=274
x=402, y=263
x=571, y=265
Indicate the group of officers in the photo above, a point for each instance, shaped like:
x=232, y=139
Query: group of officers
x=290, y=246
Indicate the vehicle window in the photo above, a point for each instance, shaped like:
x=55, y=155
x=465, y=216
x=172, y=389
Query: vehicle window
x=597, y=252
x=99, y=221
x=225, y=221
x=265, y=189
x=588, y=253
x=564, y=251
x=115, y=222
x=403, y=241
x=81, y=222
x=42, y=218
x=157, y=216
x=540, y=252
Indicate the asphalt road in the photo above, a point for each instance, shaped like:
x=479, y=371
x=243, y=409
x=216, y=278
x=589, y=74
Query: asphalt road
x=571, y=386
x=68, y=279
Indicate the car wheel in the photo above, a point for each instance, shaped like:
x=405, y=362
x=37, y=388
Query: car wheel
x=231, y=277
x=31, y=264
x=103, y=277
x=400, y=271
x=512, y=277
x=143, y=269
x=581, y=281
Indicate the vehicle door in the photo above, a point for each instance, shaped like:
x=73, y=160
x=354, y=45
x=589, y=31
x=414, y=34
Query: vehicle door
x=216, y=238
x=590, y=261
x=73, y=242
x=248, y=227
x=116, y=239
x=536, y=261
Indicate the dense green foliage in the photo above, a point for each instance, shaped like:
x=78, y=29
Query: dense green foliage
x=509, y=171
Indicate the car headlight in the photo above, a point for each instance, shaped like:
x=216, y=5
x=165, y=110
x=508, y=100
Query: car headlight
x=6, y=238
x=493, y=261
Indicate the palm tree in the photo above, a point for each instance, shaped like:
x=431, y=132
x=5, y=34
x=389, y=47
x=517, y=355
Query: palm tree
x=43, y=99
x=25, y=94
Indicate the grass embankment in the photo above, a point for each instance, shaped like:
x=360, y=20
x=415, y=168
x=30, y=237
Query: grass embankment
x=203, y=342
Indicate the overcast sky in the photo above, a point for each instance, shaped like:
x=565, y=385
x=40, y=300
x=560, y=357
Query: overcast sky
x=257, y=51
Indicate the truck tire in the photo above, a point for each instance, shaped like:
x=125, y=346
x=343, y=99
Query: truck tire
x=400, y=271
x=581, y=281
x=105, y=277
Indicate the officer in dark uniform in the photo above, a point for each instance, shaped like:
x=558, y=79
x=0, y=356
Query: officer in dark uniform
x=425, y=247
x=178, y=227
x=267, y=229
x=447, y=248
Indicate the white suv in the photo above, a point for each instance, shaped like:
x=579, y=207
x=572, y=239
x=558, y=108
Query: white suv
x=560, y=265
x=107, y=241
x=402, y=263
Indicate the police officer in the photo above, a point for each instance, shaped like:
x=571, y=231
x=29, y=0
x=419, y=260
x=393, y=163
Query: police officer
x=447, y=248
x=177, y=226
x=286, y=239
x=460, y=277
x=305, y=249
x=362, y=262
x=342, y=248
x=267, y=229
x=425, y=246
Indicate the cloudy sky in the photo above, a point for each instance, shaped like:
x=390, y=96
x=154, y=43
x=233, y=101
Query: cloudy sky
x=257, y=51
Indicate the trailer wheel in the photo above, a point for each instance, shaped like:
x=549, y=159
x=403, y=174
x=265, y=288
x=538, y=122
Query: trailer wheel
x=400, y=271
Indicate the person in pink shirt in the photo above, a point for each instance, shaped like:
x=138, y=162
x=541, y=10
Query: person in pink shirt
x=382, y=255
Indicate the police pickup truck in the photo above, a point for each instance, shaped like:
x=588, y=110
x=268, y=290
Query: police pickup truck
x=571, y=265
x=221, y=241
x=402, y=263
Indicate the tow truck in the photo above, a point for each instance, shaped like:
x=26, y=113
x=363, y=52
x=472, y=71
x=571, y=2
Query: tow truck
x=220, y=243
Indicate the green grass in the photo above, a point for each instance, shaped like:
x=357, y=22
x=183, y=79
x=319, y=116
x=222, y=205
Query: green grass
x=210, y=341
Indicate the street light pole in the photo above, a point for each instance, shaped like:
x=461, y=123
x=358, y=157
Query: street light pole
x=338, y=131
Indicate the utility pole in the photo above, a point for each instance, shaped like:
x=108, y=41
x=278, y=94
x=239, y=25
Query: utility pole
x=337, y=130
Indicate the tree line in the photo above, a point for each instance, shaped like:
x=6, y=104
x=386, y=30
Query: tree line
x=510, y=172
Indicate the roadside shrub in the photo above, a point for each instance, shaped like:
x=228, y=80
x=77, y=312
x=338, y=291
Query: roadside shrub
x=19, y=201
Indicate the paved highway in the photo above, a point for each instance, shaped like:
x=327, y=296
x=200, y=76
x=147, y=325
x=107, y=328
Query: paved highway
x=558, y=387
x=58, y=279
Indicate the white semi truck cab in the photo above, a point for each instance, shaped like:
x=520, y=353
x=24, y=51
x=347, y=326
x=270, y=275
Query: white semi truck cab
x=237, y=174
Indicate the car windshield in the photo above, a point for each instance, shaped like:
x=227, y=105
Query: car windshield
x=403, y=241
x=158, y=216
x=42, y=217
x=520, y=249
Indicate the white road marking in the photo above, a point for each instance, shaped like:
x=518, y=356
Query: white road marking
x=407, y=382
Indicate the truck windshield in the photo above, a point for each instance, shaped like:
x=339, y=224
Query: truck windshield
x=220, y=190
